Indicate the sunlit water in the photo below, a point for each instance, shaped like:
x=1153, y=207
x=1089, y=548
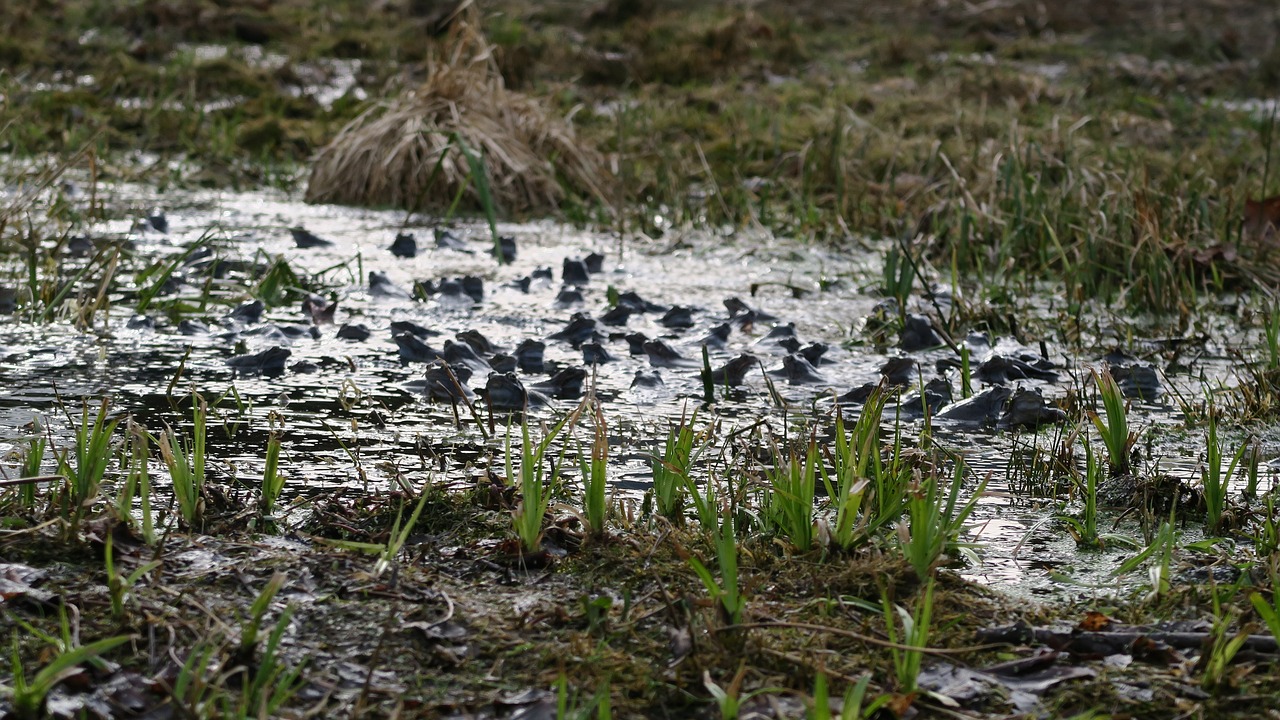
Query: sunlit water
x=357, y=422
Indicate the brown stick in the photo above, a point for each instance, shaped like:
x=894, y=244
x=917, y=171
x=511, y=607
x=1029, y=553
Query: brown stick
x=1110, y=643
x=860, y=636
x=31, y=480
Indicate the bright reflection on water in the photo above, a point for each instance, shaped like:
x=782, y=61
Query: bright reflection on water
x=356, y=422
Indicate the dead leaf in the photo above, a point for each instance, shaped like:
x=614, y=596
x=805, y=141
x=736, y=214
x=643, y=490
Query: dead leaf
x=1094, y=621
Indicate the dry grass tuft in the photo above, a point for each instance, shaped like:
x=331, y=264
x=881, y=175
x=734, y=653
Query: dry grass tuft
x=406, y=153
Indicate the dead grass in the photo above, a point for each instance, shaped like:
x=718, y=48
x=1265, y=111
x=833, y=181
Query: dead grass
x=411, y=152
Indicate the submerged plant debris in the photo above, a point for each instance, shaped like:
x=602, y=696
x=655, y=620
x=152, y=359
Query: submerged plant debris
x=909, y=360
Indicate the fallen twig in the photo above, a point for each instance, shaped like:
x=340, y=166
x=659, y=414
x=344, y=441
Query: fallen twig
x=1112, y=642
x=859, y=636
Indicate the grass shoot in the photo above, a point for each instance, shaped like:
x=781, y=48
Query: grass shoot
x=119, y=586
x=537, y=485
x=27, y=697
x=1114, y=431
x=186, y=462
x=792, y=484
x=916, y=626
x=671, y=471
x=85, y=464
x=595, y=474
x=936, y=519
x=727, y=591
x=1215, y=482
x=32, y=461
x=273, y=480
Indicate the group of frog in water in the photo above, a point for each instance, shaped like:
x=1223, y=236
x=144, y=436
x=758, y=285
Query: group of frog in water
x=469, y=368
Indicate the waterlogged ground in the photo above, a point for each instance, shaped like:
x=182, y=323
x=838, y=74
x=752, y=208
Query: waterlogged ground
x=1078, y=170
x=358, y=433
x=354, y=416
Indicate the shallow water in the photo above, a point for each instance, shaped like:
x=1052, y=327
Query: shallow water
x=357, y=421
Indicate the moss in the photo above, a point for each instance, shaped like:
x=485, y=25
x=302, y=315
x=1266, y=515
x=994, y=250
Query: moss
x=1269, y=67
x=350, y=45
x=226, y=76
x=13, y=52
x=287, y=107
x=262, y=136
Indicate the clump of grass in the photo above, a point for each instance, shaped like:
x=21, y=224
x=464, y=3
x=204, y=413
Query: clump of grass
x=1266, y=533
x=671, y=471
x=192, y=689
x=186, y=462
x=1215, y=481
x=138, y=484
x=397, y=536
x=916, y=626
x=1253, y=461
x=890, y=479
x=1115, y=433
x=32, y=461
x=789, y=506
x=856, y=464
x=28, y=697
x=897, y=276
x=708, y=387
x=1268, y=611
x=595, y=473
x=730, y=698
x=278, y=283
x=1085, y=529
x=1161, y=549
x=244, y=682
x=571, y=706
x=668, y=474
x=273, y=683
x=119, y=586
x=257, y=611
x=536, y=485
x=727, y=592
x=88, y=309
x=851, y=708
x=420, y=151
x=86, y=463
x=1221, y=649
x=704, y=500
x=160, y=273
x=936, y=520
x=272, y=479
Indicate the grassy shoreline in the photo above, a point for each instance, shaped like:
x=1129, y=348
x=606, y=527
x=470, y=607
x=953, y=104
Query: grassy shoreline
x=1011, y=146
